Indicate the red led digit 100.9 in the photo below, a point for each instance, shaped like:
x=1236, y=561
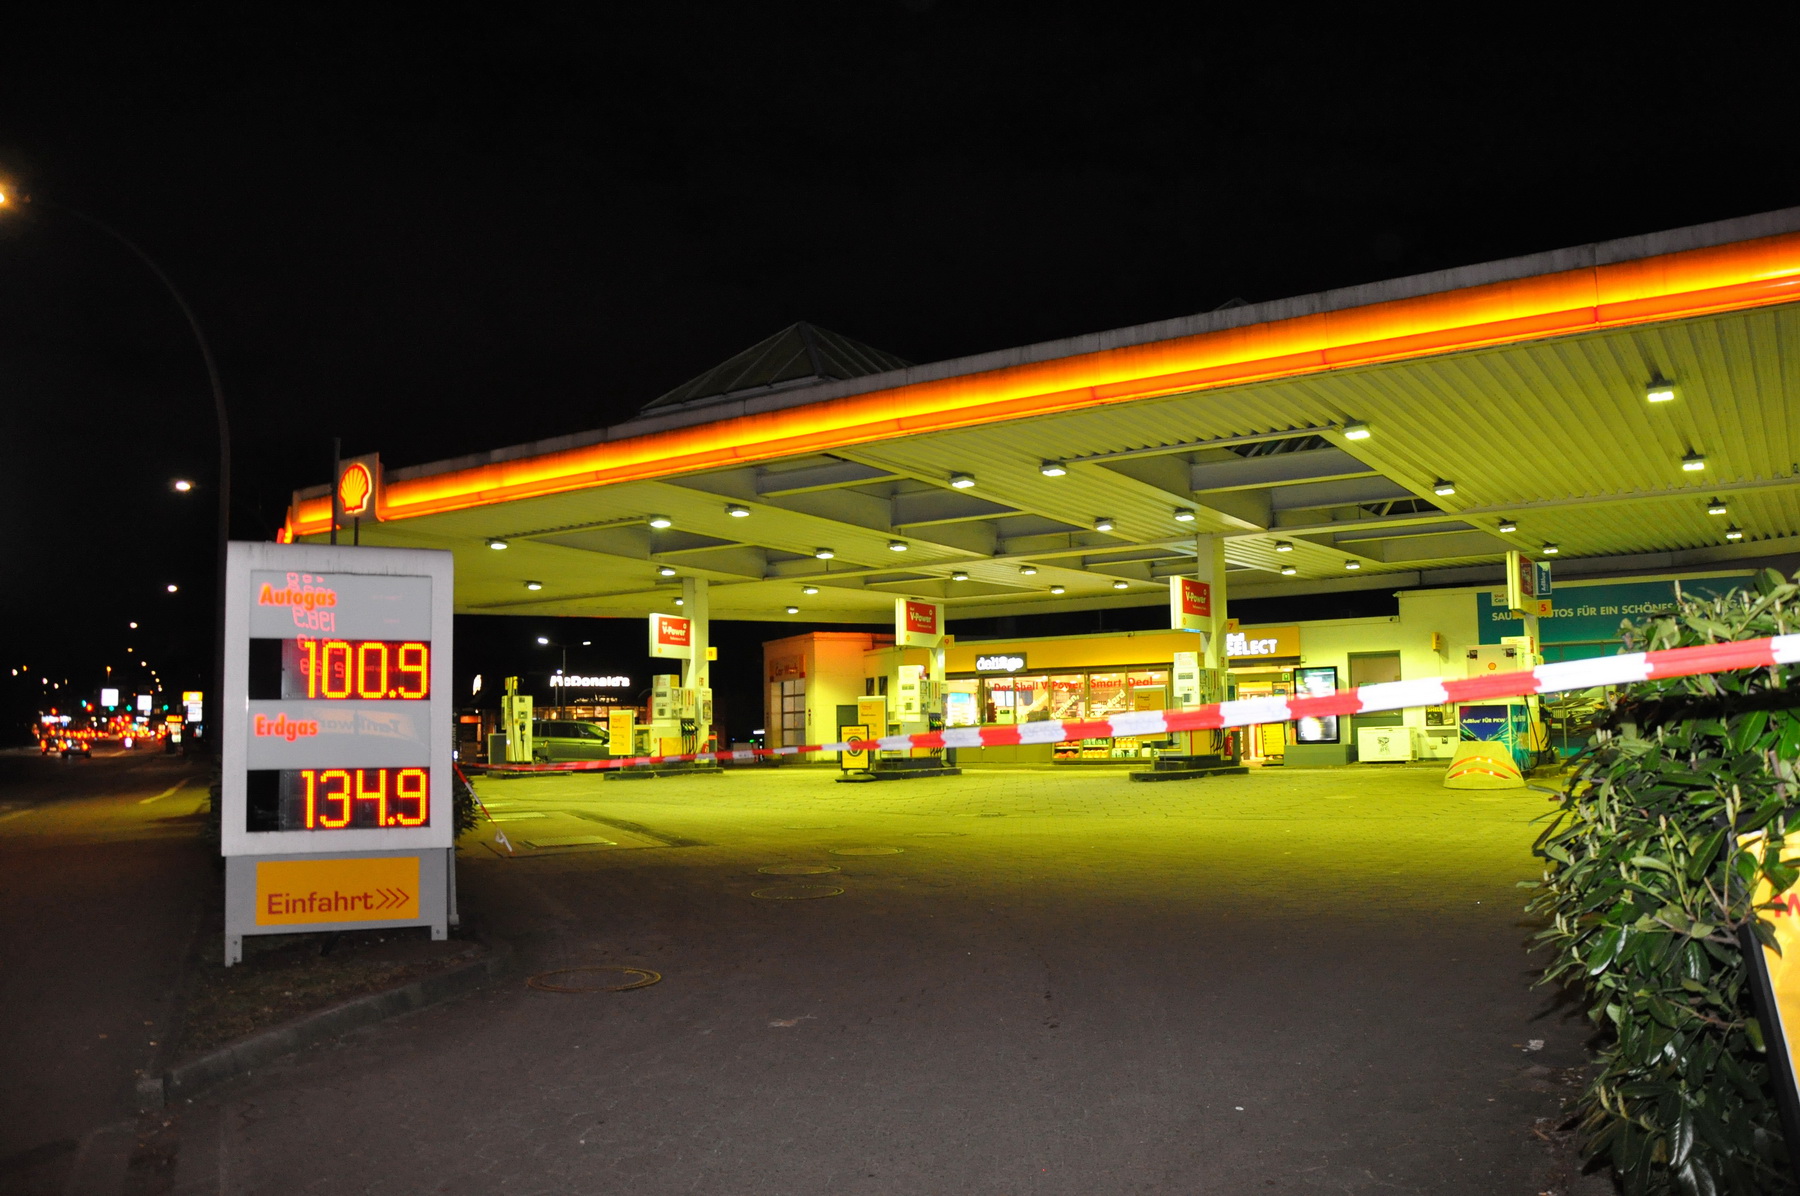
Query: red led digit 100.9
x=336, y=798
x=368, y=669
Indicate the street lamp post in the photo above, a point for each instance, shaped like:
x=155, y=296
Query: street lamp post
x=219, y=412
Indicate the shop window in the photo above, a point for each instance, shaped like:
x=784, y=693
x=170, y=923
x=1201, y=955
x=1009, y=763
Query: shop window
x=1108, y=694
x=1149, y=689
x=962, y=705
x=1016, y=700
x=1065, y=697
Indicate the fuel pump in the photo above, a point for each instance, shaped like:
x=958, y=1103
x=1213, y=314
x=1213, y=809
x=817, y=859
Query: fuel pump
x=515, y=721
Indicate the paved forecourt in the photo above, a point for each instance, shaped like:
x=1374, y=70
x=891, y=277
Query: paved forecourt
x=1044, y=980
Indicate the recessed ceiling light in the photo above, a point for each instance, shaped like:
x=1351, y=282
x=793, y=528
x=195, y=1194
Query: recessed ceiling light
x=1551, y=550
x=1184, y=514
x=1443, y=488
x=496, y=544
x=665, y=571
x=824, y=554
x=681, y=602
x=736, y=511
x=1715, y=507
x=896, y=545
x=793, y=610
x=1283, y=546
x=1659, y=391
x=961, y=481
x=183, y=485
x=1352, y=565
x=1103, y=524
x=534, y=585
x=1694, y=462
x=959, y=575
x=1288, y=570
x=1024, y=570
x=661, y=521
x=1056, y=589
x=1734, y=533
x=1053, y=469
x=809, y=589
x=1356, y=430
x=1509, y=526
x=1121, y=585
x=172, y=587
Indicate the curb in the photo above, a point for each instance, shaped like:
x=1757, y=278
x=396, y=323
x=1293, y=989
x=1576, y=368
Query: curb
x=155, y=1092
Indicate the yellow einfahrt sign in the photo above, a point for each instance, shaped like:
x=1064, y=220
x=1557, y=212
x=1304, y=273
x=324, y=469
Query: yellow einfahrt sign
x=301, y=891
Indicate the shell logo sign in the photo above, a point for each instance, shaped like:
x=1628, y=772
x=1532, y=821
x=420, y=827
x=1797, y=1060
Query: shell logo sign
x=358, y=483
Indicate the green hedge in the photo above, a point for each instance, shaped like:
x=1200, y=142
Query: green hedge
x=1646, y=887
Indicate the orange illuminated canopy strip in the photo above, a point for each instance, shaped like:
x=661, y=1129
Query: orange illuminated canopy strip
x=1673, y=286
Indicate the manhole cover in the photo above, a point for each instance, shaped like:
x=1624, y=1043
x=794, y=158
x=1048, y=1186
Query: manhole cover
x=798, y=892
x=798, y=869
x=867, y=850
x=572, y=841
x=548, y=981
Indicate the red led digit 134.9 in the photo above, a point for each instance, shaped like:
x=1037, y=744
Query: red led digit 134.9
x=365, y=669
x=341, y=798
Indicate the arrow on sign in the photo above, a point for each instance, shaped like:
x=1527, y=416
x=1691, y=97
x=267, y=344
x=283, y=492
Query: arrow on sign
x=391, y=898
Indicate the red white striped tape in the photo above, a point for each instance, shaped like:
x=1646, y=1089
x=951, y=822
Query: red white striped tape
x=1369, y=699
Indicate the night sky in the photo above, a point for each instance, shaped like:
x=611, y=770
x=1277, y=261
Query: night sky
x=436, y=229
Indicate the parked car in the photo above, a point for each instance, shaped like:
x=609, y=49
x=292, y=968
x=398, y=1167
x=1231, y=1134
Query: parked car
x=556, y=741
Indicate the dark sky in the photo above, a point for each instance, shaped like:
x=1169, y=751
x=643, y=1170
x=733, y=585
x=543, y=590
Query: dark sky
x=436, y=229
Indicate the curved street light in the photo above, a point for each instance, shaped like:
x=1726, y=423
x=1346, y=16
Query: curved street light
x=219, y=412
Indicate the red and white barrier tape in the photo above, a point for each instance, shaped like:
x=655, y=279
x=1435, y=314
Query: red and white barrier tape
x=1369, y=699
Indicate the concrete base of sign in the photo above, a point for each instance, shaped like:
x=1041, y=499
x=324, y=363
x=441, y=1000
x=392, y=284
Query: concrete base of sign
x=346, y=890
x=1183, y=768
x=1483, y=764
x=1320, y=755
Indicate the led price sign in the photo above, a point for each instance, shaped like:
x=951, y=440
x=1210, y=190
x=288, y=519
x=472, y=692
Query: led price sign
x=341, y=716
x=338, y=799
x=366, y=670
x=336, y=729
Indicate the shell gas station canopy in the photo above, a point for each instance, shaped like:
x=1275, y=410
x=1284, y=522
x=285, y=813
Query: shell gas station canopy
x=1625, y=406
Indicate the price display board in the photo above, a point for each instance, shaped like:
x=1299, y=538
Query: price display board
x=336, y=736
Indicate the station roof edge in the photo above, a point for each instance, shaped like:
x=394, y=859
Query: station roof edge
x=1714, y=234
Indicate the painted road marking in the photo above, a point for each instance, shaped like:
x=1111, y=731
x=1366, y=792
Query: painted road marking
x=170, y=791
x=16, y=814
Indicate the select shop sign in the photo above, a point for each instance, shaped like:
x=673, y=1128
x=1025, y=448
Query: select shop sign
x=1248, y=646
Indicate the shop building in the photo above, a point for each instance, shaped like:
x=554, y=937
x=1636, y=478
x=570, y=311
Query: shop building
x=814, y=680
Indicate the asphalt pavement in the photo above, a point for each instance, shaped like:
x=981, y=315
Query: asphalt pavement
x=102, y=875
x=1012, y=982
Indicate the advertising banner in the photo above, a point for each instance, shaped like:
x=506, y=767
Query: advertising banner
x=671, y=637
x=1585, y=619
x=918, y=624
x=1190, y=604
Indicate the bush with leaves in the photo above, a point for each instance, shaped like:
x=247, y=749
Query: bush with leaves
x=1675, y=811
